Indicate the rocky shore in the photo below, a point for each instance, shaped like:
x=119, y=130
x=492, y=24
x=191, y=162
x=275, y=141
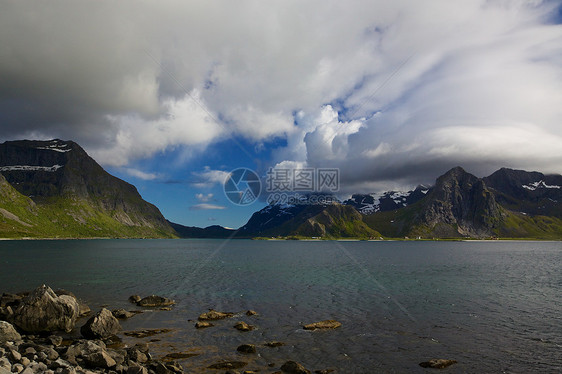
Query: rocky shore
x=35, y=327
x=34, y=338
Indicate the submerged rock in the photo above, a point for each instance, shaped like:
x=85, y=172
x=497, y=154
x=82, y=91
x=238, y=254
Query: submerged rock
x=293, y=367
x=274, y=344
x=179, y=355
x=327, y=324
x=437, y=363
x=145, y=333
x=102, y=325
x=246, y=348
x=213, y=315
x=44, y=311
x=8, y=333
x=228, y=365
x=153, y=301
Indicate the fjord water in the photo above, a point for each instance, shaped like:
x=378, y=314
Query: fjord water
x=492, y=306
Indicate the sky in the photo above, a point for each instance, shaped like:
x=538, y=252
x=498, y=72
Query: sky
x=172, y=96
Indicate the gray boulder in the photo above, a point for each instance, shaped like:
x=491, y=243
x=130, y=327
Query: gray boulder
x=44, y=311
x=100, y=326
x=100, y=360
x=8, y=333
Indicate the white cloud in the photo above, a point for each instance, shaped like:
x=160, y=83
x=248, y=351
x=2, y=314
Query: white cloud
x=206, y=206
x=475, y=82
x=204, y=197
x=140, y=174
x=209, y=177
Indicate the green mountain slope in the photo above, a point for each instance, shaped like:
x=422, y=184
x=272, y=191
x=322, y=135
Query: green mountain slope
x=54, y=189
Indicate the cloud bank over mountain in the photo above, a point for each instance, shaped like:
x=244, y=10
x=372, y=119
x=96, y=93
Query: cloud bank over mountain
x=388, y=92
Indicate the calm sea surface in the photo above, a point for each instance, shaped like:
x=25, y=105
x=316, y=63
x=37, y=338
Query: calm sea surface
x=495, y=307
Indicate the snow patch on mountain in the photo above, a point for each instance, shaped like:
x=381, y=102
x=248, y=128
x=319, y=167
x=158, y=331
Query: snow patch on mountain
x=30, y=168
x=56, y=146
x=540, y=184
x=375, y=202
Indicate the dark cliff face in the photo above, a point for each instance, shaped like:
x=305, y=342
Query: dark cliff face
x=463, y=201
x=267, y=220
x=529, y=192
x=48, y=171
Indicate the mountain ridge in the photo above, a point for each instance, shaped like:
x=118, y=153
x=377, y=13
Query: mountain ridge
x=459, y=205
x=51, y=189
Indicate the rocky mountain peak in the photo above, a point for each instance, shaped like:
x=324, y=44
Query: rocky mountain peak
x=462, y=200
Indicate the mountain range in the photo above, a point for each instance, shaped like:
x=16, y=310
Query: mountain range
x=53, y=189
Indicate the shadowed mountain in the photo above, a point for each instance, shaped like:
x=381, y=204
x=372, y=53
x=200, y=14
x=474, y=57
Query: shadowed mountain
x=214, y=231
x=326, y=221
x=529, y=192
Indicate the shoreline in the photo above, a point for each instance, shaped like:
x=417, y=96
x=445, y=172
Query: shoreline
x=3, y=239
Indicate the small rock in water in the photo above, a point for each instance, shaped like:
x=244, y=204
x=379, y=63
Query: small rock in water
x=327, y=324
x=246, y=348
x=437, y=363
x=202, y=325
x=134, y=299
x=251, y=313
x=122, y=314
x=213, y=315
x=243, y=326
x=153, y=300
x=293, y=367
x=84, y=310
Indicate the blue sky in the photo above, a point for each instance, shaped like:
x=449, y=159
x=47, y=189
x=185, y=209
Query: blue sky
x=171, y=96
x=184, y=193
